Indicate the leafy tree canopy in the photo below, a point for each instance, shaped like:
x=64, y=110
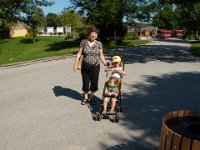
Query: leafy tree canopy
x=166, y=18
x=188, y=13
x=16, y=10
x=52, y=20
x=35, y=20
x=71, y=18
x=109, y=16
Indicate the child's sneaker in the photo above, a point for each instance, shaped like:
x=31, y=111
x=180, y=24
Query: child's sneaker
x=112, y=112
x=104, y=112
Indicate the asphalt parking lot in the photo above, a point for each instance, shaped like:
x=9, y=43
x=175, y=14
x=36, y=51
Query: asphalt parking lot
x=40, y=103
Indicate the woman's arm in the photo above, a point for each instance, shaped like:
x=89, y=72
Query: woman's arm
x=108, y=69
x=102, y=58
x=77, y=58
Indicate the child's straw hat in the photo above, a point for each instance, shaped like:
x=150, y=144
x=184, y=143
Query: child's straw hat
x=116, y=59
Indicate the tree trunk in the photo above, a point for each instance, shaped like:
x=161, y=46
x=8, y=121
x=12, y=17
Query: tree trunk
x=34, y=35
x=197, y=34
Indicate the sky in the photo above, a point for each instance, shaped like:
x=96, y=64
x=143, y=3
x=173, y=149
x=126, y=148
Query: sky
x=57, y=7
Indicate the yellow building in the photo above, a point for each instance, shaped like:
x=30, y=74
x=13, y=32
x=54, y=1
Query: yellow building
x=19, y=29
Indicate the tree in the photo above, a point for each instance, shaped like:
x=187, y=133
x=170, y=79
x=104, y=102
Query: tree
x=109, y=16
x=104, y=14
x=53, y=20
x=34, y=20
x=70, y=18
x=8, y=15
x=8, y=12
x=16, y=10
x=195, y=14
x=166, y=18
x=143, y=10
x=189, y=13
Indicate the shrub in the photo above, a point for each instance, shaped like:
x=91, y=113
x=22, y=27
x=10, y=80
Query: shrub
x=135, y=36
x=129, y=36
x=82, y=35
x=68, y=37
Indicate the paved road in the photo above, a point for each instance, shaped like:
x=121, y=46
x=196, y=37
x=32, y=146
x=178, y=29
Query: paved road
x=40, y=103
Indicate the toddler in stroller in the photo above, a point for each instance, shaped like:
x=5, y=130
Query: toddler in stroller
x=112, y=90
x=111, y=100
x=110, y=94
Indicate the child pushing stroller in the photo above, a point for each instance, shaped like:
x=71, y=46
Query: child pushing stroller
x=117, y=67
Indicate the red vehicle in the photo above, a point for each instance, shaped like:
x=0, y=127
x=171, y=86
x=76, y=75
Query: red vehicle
x=163, y=33
x=177, y=33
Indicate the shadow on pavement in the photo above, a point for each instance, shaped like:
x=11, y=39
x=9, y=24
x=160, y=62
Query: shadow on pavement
x=94, y=108
x=146, y=53
x=60, y=91
x=177, y=40
x=150, y=102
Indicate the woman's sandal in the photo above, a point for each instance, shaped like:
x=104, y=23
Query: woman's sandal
x=84, y=102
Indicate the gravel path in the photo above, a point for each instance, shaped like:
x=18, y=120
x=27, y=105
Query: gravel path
x=40, y=103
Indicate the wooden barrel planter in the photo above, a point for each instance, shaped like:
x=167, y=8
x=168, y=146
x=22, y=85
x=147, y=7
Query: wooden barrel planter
x=181, y=131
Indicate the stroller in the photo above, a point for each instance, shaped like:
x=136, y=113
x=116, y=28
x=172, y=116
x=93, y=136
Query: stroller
x=118, y=107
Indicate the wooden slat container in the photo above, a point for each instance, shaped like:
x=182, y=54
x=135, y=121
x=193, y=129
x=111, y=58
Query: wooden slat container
x=181, y=131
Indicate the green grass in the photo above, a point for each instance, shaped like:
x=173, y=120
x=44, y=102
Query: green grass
x=22, y=49
x=196, y=48
x=124, y=44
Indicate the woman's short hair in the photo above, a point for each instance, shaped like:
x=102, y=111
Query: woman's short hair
x=94, y=29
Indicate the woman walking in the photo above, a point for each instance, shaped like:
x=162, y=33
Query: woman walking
x=92, y=51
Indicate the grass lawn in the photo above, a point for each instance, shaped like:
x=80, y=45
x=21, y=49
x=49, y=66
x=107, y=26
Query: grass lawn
x=196, y=48
x=22, y=49
x=124, y=44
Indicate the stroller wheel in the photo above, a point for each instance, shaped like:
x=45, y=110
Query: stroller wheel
x=121, y=109
x=98, y=117
x=116, y=119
